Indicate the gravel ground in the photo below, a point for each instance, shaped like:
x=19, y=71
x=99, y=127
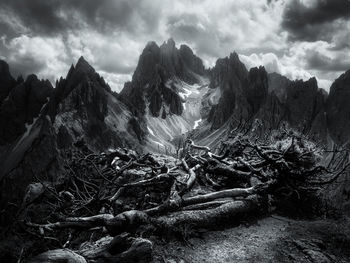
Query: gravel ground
x=272, y=239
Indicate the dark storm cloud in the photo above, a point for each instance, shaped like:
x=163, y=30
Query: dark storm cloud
x=317, y=61
x=40, y=16
x=93, y=23
x=26, y=65
x=341, y=41
x=314, y=22
x=189, y=28
x=203, y=36
x=50, y=17
x=7, y=30
x=46, y=36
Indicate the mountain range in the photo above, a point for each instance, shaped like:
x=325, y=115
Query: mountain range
x=171, y=95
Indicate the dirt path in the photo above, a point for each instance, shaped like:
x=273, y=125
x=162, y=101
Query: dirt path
x=273, y=239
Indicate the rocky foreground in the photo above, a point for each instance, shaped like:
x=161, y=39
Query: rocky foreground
x=116, y=206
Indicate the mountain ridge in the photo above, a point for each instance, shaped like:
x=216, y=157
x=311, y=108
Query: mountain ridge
x=162, y=75
x=171, y=97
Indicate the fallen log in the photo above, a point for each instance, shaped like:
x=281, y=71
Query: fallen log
x=202, y=199
x=58, y=256
x=208, y=218
x=130, y=221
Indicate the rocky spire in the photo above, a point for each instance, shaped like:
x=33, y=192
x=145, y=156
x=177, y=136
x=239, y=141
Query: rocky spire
x=230, y=76
x=156, y=66
x=257, y=88
x=338, y=110
x=7, y=82
x=83, y=78
x=83, y=66
x=24, y=103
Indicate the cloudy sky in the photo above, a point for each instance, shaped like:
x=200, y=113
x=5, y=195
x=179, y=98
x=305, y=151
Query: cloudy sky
x=297, y=38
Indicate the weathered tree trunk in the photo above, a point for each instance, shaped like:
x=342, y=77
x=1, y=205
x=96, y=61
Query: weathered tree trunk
x=58, y=256
x=169, y=206
x=209, y=217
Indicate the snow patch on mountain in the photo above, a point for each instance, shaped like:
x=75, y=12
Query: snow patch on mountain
x=196, y=123
x=162, y=132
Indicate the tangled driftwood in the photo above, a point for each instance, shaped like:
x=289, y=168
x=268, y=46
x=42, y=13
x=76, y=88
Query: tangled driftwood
x=122, y=191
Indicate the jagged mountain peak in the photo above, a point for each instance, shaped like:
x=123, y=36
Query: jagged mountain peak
x=186, y=49
x=84, y=66
x=227, y=70
x=81, y=72
x=169, y=45
x=4, y=67
x=81, y=68
x=31, y=78
x=83, y=81
x=342, y=82
x=6, y=80
x=233, y=56
x=23, y=103
x=231, y=59
x=230, y=62
x=338, y=110
x=151, y=45
x=309, y=86
x=258, y=71
x=5, y=71
x=156, y=67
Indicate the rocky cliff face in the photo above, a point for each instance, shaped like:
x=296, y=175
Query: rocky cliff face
x=270, y=99
x=165, y=93
x=22, y=104
x=39, y=125
x=84, y=78
x=242, y=93
x=170, y=94
x=257, y=89
x=83, y=106
x=166, y=85
x=150, y=88
x=338, y=110
x=301, y=104
x=6, y=80
x=34, y=156
x=278, y=84
x=229, y=76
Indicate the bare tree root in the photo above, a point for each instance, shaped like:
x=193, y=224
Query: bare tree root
x=122, y=191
